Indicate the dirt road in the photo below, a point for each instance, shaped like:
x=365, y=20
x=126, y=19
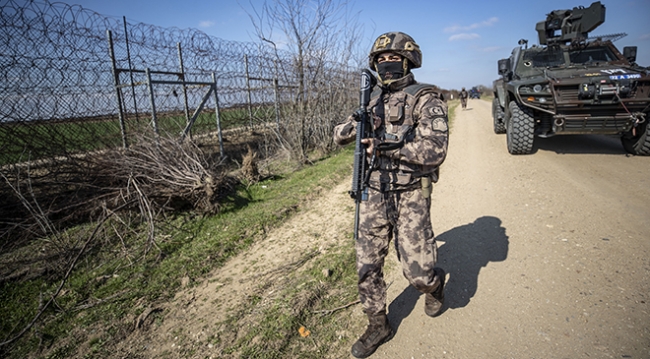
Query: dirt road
x=548, y=254
x=547, y=257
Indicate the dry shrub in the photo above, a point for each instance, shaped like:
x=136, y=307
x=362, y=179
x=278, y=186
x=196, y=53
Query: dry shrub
x=172, y=175
x=249, y=168
x=153, y=177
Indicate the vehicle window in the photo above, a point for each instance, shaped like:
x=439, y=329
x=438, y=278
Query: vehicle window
x=545, y=58
x=597, y=54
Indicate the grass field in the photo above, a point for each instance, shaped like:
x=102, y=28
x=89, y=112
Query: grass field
x=125, y=271
x=28, y=141
x=118, y=276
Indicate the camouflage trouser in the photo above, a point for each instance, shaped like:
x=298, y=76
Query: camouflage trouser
x=402, y=216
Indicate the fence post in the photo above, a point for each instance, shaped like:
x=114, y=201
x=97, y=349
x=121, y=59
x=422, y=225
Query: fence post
x=154, y=120
x=182, y=77
x=118, y=92
x=276, y=92
x=248, y=88
x=216, y=109
x=128, y=57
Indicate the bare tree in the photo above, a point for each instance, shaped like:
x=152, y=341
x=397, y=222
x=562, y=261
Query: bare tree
x=323, y=40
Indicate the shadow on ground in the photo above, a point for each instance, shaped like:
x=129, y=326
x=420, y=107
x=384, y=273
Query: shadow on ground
x=580, y=144
x=463, y=252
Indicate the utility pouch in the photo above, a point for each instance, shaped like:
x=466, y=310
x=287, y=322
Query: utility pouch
x=426, y=186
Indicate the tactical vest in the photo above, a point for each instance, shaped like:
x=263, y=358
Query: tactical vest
x=400, y=119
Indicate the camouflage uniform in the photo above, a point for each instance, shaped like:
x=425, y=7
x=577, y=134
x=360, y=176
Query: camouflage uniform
x=463, y=98
x=399, y=195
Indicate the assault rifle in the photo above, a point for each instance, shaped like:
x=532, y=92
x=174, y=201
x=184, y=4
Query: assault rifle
x=362, y=169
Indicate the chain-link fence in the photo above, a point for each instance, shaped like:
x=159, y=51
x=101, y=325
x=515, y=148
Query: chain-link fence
x=73, y=80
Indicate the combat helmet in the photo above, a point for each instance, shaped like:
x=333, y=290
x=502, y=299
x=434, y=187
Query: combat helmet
x=399, y=43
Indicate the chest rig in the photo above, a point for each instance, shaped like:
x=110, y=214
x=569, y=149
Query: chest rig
x=400, y=116
x=398, y=111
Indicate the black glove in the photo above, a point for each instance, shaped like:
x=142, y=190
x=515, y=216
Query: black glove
x=357, y=115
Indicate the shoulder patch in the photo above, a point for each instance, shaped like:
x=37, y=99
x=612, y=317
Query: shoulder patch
x=439, y=124
x=436, y=111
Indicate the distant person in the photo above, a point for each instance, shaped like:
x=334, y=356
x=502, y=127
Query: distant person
x=463, y=98
x=413, y=117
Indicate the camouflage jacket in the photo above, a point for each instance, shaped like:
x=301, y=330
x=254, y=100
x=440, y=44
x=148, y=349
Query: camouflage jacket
x=418, y=119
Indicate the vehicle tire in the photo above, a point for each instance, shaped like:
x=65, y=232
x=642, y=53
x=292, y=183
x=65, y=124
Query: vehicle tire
x=520, y=130
x=640, y=144
x=498, y=116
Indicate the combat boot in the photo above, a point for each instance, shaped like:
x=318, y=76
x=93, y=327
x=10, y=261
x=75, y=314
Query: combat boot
x=433, y=301
x=377, y=333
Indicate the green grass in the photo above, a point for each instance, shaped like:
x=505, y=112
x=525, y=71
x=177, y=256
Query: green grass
x=188, y=247
x=273, y=331
x=30, y=141
x=192, y=247
x=452, y=106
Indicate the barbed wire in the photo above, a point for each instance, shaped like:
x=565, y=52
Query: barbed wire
x=59, y=90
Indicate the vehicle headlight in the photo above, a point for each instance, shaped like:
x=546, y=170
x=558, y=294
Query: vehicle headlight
x=537, y=93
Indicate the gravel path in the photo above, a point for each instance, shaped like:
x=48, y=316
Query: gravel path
x=547, y=254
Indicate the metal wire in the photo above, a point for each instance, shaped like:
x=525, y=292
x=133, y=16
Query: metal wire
x=58, y=91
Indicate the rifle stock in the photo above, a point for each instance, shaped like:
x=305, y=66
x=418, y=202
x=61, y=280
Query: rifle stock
x=360, y=175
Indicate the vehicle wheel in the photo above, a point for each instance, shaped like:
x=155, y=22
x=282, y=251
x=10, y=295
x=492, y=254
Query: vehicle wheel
x=520, y=130
x=640, y=144
x=497, y=116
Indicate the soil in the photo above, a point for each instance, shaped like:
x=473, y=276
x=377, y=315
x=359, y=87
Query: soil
x=547, y=255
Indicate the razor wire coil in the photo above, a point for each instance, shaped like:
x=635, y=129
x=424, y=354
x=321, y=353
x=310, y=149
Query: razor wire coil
x=58, y=86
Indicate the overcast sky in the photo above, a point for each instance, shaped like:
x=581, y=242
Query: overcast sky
x=461, y=41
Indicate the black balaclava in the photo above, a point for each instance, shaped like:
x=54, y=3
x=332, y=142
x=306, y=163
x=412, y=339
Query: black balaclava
x=390, y=71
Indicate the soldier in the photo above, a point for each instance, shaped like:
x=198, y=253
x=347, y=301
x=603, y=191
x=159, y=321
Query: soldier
x=463, y=98
x=413, y=118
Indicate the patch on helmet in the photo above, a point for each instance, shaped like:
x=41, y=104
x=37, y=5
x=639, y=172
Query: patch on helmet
x=411, y=46
x=382, y=42
x=436, y=111
x=439, y=124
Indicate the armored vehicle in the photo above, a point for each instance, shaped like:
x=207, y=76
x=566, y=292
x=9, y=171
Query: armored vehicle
x=572, y=84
